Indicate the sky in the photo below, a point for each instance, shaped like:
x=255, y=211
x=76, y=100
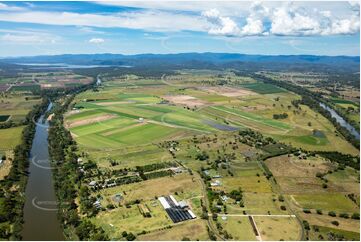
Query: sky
x=135, y=27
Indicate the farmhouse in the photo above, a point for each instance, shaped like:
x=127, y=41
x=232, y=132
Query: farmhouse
x=97, y=204
x=176, y=169
x=224, y=198
x=178, y=212
x=216, y=183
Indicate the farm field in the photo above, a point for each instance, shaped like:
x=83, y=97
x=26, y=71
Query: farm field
x=13, y=110
x=183, y=135
x=15, y=106
x=180, y=109
x=36, y=81
x=303, y=181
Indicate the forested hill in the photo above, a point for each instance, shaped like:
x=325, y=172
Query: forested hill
x=203, y=60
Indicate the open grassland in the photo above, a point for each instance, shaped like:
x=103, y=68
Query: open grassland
x=280, y=228
x=195, y=230
x=328, y=202
x=239, y=227
x=327, y=233
x=300, y=179
x=9, y=138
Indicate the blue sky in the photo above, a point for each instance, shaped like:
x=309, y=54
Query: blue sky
x=133, y=27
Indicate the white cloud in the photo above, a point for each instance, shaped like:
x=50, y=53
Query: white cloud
x=220, y=25
x=288, y=21
x=236, y=19
x=346, y=26
x=96, y=41
x=6, y=7
x=27, y=38
x=89, y=30
x=146, y=20
x=295, y=21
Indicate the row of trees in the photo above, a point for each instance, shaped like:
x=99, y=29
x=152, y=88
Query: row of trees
x=67, y=178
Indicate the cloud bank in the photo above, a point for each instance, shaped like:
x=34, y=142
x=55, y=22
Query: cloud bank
x=236, y=19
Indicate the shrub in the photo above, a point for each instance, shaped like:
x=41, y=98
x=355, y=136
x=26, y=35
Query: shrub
x=344, y=215
x=306, y=225
x=335, y=223
x=355, y=216
x=130, y=237
x=306, y=210
x=332, y=214
x=319, y=211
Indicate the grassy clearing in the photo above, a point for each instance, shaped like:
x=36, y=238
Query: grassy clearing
x=351, y=225
x=9, y=138
x=280, y=228
x=194, y=230
x=329, y=202
x=325, y=233
x=239, y=227
x=254, y=118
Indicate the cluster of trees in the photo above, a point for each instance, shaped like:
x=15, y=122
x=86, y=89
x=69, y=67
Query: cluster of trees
x=11, y=200
x=342, y=159
x=280, y=116
x=157, y=174
x=155, y=166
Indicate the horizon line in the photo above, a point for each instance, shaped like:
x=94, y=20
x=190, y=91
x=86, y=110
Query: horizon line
x=178, y=53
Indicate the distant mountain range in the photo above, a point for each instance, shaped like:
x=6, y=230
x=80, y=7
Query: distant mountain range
x=199, y=60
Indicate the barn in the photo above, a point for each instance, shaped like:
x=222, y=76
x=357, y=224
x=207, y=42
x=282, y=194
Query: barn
x=175, y=211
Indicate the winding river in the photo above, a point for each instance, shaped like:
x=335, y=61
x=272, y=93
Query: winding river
x=40, y=210
x=341, y=121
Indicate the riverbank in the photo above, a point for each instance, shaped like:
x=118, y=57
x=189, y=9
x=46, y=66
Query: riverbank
x=40, y=210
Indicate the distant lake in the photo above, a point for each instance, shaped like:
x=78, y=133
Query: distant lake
x=67, y=66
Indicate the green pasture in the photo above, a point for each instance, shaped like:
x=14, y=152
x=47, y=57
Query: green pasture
x=85, y=114
x=239, y=227
x=328, y=202
x=107, y=125
x=325, y=231
x=27, y=88
x=253, y=117
x=262, y=88
x=343, y=101
x=10, y=137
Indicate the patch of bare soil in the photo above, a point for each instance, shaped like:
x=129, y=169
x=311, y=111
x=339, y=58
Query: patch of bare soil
x=185, y=100
x=90, y=120
x=229, y=91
